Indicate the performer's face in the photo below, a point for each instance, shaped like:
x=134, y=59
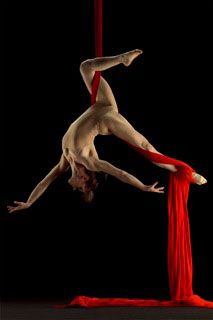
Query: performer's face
x=79, y=179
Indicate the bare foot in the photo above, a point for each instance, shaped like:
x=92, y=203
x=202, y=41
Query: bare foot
x=128, y=57
x=198, y=178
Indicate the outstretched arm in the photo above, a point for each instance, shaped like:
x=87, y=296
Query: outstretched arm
x=60, y=168
x=104, y=166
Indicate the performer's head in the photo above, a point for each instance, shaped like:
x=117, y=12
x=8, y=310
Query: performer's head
x=85, y=181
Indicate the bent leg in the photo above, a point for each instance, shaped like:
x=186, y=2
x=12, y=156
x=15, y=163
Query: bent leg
x=122, y=129
x=104, y=95
x=87, y=68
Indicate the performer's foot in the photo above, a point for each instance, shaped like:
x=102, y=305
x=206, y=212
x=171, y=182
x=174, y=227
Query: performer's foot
x=128, y=57
x=198, y=178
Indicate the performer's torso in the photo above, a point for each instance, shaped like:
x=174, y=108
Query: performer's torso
x=79, y=138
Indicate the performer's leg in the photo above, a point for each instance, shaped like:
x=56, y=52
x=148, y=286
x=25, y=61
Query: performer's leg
x=105, y=95
x=121, y=128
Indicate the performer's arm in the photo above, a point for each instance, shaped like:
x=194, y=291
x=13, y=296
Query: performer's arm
x=104, y=166
x=60, y=168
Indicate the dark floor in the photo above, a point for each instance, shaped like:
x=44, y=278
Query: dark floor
x=45, y=311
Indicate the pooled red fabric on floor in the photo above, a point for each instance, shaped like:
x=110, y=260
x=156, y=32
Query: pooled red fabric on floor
x=88, y=302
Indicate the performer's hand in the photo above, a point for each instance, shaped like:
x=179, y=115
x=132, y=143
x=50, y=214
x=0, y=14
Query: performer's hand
x=19, y=206
x=153, y=188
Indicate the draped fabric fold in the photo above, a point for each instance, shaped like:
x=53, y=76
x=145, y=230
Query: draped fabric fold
x=179, y=253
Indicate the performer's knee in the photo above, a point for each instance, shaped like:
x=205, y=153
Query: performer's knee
x=147, y=146
x=86, y=66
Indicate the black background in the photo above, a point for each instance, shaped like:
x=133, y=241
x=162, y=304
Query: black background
x=116, y=246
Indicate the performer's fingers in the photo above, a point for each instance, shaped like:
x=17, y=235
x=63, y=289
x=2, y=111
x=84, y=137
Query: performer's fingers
x=161, y=188
x=9, y=208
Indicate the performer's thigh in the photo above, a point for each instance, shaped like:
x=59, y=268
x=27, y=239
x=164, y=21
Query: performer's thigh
x=122, y=129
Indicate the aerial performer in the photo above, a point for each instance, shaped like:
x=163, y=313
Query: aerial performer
x=102, y=118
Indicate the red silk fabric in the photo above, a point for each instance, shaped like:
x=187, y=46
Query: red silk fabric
x=179, y=246
x=98, y=13
x=87, y=302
